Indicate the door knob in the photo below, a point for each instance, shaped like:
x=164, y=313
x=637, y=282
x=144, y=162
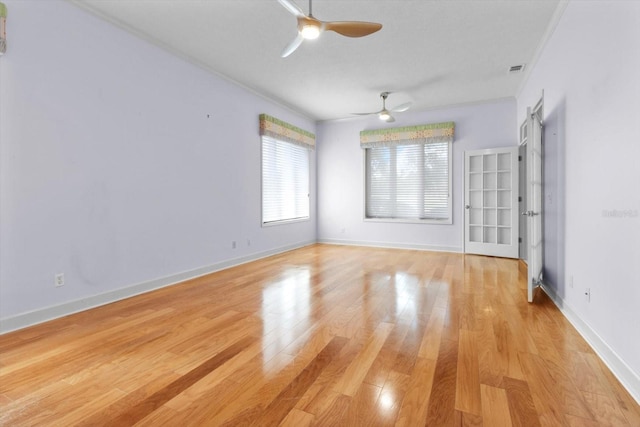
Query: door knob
x=467, y=206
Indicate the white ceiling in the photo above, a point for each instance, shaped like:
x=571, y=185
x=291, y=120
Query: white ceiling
x=433, y=53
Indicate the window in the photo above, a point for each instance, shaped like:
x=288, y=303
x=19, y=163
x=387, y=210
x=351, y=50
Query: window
x=285, y=170
x=285, y=181
x=410, y=182
x=408, y=173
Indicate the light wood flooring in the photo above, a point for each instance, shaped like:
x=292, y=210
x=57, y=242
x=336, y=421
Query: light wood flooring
x=324, y=335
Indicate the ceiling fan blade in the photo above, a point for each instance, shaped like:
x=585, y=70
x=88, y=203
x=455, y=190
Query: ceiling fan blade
x=352, y=28
x=292, y=7
x=402, y=107
x=364, y=114
x=291, y=47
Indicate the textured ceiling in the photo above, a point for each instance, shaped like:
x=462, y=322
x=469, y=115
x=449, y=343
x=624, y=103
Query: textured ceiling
x=432, y=53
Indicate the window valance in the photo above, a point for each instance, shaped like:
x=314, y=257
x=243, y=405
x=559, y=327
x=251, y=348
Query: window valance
x=283, y=131
x=423, y=134
x=3, y=30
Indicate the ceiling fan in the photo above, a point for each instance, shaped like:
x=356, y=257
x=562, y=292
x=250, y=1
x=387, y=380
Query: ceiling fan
x=309, y=27
x=384, y=114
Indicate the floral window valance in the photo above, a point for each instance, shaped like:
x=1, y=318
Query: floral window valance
x=270, y=126
x=423, y=134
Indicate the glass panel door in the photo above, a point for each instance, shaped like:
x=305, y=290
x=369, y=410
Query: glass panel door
x=491, y=191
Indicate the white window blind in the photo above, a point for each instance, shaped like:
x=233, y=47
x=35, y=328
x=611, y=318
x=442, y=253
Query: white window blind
x=410, y=182
x=285, y=181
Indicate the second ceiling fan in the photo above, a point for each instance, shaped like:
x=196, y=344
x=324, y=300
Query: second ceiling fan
x=309, y=27
x=385, y=114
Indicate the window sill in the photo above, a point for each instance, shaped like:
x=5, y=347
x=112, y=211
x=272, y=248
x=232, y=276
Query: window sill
x=285, y=221
x=410, y=221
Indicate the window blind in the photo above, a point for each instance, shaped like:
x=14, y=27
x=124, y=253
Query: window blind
x=285, y=180
x=408, y=181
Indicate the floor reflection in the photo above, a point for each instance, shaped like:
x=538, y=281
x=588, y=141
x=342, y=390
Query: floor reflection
x=285, y=304
x=386, y=401
x=403, y=285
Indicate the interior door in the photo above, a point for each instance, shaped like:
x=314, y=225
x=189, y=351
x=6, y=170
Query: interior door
x=534, y=202
x=491, y=202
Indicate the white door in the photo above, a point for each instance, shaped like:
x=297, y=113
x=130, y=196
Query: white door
x=491, y=202
x=534, y=202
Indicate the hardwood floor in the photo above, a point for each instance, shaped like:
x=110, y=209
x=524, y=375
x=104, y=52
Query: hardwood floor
x=324, y=335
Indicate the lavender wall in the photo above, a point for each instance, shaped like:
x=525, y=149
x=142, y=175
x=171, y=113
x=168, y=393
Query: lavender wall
x=589, y=72
x=120, y=163
x=341, y=175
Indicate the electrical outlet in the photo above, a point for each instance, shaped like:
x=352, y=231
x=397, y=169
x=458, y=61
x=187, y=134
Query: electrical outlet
x=59, y=280
x=571, y=281
x=587, y=294
x=248, y=242
x=233, y=244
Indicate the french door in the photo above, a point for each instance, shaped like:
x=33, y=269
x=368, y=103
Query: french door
x=491, y=202
x=533, y=139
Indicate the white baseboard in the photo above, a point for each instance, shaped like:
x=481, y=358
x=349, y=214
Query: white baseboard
x=31, y=318
x=392, y=245
x=629, y=379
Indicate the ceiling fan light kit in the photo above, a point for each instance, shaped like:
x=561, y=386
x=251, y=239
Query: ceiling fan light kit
x=310, y=28
x=384, y=116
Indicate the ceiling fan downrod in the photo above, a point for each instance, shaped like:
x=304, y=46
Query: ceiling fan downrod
x=384, y=96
